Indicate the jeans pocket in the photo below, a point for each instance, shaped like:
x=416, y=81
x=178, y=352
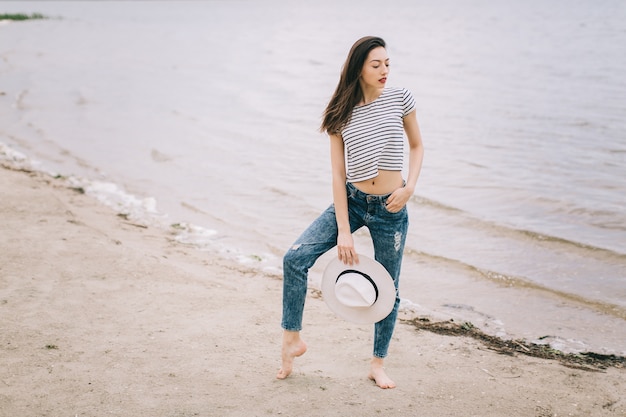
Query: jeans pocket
x=401, y=212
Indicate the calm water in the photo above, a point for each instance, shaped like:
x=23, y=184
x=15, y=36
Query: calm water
x=207, y=112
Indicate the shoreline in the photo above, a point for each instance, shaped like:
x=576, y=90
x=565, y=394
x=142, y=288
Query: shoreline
x=136, y=214
x=102, y=317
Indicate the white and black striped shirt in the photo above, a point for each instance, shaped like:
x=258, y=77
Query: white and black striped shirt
x=374, y=136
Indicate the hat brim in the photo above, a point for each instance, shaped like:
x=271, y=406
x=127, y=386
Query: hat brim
x=360, y=315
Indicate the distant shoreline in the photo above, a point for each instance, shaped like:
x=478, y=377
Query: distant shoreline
x=21, y=16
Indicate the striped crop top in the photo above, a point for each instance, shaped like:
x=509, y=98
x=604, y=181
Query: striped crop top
x=374, y=136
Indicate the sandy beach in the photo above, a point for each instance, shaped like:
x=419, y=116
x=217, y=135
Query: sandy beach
x=104, y=317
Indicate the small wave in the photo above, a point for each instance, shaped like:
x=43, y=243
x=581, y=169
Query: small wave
x=548, y=238
x=484, y=224
x=606, y=308
x=204, y=239
x=432, y=203
x=138, y=209
x=14, y=159
x=520, y=282
x=197, y=236
x=142, y=211
x=192, y=208
x=278, y=191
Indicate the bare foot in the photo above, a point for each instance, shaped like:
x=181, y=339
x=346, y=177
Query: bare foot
x=379, y=376
x=293, y=347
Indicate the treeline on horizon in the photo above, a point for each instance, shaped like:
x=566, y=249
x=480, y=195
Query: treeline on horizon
x=21, y=16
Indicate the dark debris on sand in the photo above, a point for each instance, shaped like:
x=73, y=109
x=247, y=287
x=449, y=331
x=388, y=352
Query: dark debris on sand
x=588, y=361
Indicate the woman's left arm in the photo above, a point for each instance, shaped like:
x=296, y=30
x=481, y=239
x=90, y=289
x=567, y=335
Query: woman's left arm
x=400, y=197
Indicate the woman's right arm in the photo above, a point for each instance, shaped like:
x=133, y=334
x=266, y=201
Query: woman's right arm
x=345, y=242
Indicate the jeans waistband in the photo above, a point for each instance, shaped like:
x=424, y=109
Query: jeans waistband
x=360, y=194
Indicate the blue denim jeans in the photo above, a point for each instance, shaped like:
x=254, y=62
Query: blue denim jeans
x=388, y=232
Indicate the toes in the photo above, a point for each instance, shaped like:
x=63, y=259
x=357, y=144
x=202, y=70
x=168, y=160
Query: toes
x=382, y=381
x=283, y=373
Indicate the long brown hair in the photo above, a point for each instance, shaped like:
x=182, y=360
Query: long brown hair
x=348, y=92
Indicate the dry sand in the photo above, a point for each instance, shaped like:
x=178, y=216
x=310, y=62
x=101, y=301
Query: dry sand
x=101, y=317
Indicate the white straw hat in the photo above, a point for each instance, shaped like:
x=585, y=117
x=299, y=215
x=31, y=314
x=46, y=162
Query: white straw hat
x=362, y=293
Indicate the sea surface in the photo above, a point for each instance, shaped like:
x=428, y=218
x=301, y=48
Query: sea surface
x=205, y=115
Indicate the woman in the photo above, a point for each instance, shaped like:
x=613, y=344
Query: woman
x=366, y=123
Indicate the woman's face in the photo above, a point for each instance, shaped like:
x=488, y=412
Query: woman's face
x=376, y=68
